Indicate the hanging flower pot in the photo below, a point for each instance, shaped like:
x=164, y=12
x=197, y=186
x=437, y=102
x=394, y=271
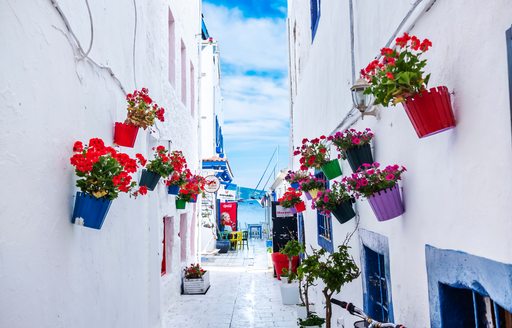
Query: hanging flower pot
x=313, y=193
x=90, y=211
x=293, y=210
x=430, y=111
x=332, y=169
x=294, y=185
x=344, y=212
x=125, y=134
x=180, y=204
x=149, y=179
x=358, y=156
x=173, y=189
x=193, y=199
x=300, y=207
x=387, y=204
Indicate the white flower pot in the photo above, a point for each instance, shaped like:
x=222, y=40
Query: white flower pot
x=290, y=293
x=197, y=286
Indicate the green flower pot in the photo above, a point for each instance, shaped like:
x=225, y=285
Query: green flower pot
x=180, y=204
x=332, y=169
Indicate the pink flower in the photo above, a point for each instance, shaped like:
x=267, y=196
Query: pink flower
x=364, y=182
x=356, y=141
x=390, y=177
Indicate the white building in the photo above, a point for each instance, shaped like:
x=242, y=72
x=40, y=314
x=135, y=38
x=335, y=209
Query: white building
x=449, y=255
x=54, y=273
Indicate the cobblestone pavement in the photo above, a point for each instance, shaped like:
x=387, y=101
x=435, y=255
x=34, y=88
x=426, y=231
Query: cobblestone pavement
x=243, y=293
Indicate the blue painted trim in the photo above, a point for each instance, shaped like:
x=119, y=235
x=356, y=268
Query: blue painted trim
x=315, y=7
x=322, y=240
x=204, y=31
x=379, y=244
x=300, y=231
x=462, y=270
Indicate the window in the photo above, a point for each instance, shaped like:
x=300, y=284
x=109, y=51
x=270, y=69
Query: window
x=172, y=50
x=192, y=89
x=324, y=223
x=300, y=231
x=183, y=73
x=509, y=54
x=315, y=17
x=375, y=275
x=462, y=307
x=183, y=237
x=376, y=285
x=468, y=291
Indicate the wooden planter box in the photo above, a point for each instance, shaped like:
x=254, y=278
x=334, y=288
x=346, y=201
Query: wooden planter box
x=196, y=286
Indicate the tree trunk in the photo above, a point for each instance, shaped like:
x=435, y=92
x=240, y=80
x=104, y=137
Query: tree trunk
x=300, y=292
x=328, y=308
x=306, y=298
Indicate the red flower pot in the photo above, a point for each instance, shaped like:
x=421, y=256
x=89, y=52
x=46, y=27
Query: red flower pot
x=125, y=134
x=430, y=112
x=300, y=207
x=281, y=261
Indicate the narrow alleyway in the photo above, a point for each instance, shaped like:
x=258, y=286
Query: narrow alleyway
x=243, y=293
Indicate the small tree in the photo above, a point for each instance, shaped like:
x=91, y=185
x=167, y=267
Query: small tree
x=307, y=273
x=291, y=249
x=336, y=269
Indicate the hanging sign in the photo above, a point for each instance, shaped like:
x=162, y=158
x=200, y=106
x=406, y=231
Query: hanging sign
x=212, y=184
x=283, y=212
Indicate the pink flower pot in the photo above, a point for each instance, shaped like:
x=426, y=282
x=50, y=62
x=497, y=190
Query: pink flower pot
x=387, y=204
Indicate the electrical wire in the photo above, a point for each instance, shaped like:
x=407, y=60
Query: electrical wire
x=265, y=172
x=86, y=54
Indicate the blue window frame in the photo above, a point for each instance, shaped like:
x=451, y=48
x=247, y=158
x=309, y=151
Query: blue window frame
x=324, y=223
x=300, y=231
x=315, y=17
x=508, y=35
x=375, y=276
x=467, y=291
x=219, y=139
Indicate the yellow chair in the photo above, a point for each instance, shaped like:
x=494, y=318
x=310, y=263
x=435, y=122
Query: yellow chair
x=239, y=239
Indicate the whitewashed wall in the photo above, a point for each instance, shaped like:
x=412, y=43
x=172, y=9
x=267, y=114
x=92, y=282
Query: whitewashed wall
x=457, y=190
x=52, y=273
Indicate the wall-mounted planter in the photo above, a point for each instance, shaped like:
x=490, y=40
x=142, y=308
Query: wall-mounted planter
x=149, y=179
x=180, y=204
x=387, y=204
x=344, y=212
x=300, y=207
x=90, y=211
x=125, y=134
x=196, y=286
x=358, y=156
x=311, y=194
x=332, y=169
x=293, y=210
x=193, y=199
x=295, y=185
x=173, y=189
x=430, y=112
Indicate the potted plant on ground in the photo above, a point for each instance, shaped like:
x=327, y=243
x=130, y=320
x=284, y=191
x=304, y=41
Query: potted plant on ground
x=196, y=280
x=314, y=154
x=337, y=201
x=307, y=273
x=335, y=270
x=290, y=286
x=102, y=174
x=380, y=187
x=354, y=146
x=291, y=199
x=295, y=178
x=142, y=112
x=312, y=321
x=159, y=166
x=311, y=186
x=399, y=78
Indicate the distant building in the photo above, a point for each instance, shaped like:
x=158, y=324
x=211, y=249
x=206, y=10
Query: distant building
x=447, y=261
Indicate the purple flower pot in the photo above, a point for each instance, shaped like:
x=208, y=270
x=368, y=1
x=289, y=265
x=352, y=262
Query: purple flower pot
x=293, y=210
x=308, y=195
x=387, y=204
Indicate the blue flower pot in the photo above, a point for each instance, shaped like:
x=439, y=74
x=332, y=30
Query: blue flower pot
x=173, y=190
x=149, y=179
x=295, y=185
x=193, y=200
x=90, y=211
x=222, y=245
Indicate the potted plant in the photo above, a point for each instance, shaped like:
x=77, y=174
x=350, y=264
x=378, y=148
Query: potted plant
x=399, y=78
x=290, y=286
x=307, y=273
x=159, y=166
x=197, y=186
x=189, y=191
x=142, y=112
x=291, y=199
x=311, y=186
x=335, y=270
x=354, y=146
x=295, y=178
x=312, y=321
x=181, y=172
x=314, y=154
x=380, y=187
x=337, y=201
x=196, y=280
x=102, y=174
x=280, y=263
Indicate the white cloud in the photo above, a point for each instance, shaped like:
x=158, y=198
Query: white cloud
x=256, y=43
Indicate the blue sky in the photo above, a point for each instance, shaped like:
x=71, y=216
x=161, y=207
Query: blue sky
x=254, y=63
